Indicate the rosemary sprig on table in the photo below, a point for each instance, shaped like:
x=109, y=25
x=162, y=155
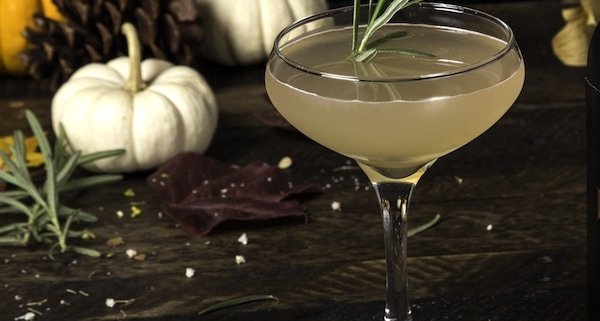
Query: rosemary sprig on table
x=379, y=14
x=237, y=301
x=45, y=219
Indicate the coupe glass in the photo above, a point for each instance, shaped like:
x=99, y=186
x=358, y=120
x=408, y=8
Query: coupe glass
x=459, y=71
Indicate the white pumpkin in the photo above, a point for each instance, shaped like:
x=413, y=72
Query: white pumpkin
x=241, y=32
x=153, y=110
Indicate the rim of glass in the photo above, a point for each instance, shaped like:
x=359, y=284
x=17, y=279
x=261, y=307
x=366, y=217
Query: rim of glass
x=429, y=5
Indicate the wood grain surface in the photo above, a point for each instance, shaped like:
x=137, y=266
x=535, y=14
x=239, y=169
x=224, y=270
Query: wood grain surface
x=524, y=178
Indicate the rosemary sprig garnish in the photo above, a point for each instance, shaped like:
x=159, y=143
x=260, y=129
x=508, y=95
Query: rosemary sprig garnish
x=237, y=301
x=45, y=219
x=379, y=14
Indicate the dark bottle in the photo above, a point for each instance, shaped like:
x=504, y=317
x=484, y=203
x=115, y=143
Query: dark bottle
x=593, y=176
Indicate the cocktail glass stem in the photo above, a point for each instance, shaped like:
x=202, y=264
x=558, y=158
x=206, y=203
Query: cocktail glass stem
x=394, y=198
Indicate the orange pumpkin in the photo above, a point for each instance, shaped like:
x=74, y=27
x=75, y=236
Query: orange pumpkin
x=15, y=16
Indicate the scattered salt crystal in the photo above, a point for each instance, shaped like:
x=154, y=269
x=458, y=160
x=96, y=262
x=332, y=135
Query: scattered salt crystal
x=110, y=302
x=27, y=316
x=489, y=227
x=120, y=214
x=18, y=298
x=285, y=162
x=459, y=180
x=207, y=243
x=16, y=104
x=189, y=272
x=336, y=206
x=239, y=259
x=243, y=239
x=131, y=253
x=269, y=179
x=223, y=191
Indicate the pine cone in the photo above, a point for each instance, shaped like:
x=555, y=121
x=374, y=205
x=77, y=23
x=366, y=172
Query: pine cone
x=168, y=29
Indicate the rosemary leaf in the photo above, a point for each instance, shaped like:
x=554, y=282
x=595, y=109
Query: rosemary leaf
x=19, y=181
x=376, y=13
x=13, y=241
x=8, y=178
x=237, y=301
x=380, y=21
x=16, y=205
x=50, y=185
x=16, y=194
x=409, y=52
x=19, y=151
x=80, y=215
x=85, y=251
x=424, y=227
x=8, y=210
x=13, y=227
x=68, y=168
x=17, y=176
x=88, y=158
x=39, y=134
x=366, y=55
x=386, y=38
x=60, y=148
x=91, y=181
x=355, y=24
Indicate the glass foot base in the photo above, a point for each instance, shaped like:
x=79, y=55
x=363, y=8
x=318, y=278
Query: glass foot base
x=409, y=318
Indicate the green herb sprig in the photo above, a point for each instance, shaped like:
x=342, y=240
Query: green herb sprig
x=379, y=14
x=237, y=301
x=46, y=220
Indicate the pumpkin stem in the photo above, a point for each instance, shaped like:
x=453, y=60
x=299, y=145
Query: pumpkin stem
x=134, y=83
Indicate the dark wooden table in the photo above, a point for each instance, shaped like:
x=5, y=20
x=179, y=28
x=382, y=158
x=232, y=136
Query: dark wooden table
x=525, y=177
